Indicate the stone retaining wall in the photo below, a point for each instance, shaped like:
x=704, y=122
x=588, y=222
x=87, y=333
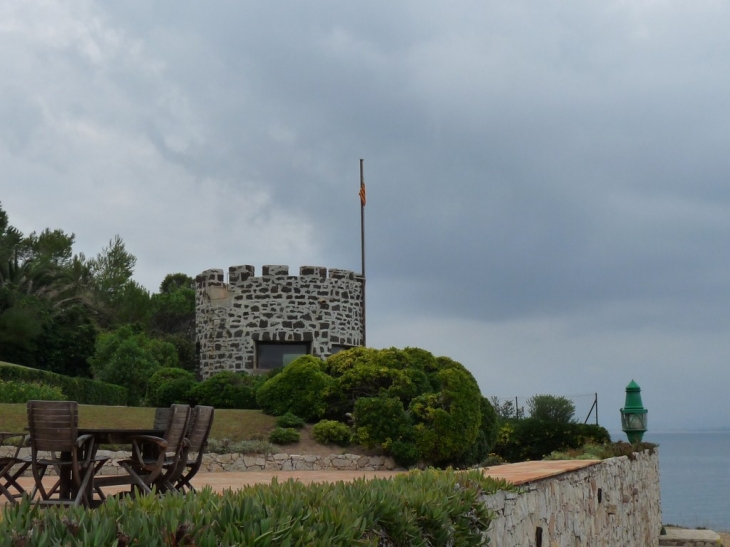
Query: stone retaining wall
x=613, y=503
x=258, y=462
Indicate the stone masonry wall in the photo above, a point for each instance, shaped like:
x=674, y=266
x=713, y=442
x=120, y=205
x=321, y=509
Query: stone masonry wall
x=314, y=307
x=614, y=503
x=215, y=463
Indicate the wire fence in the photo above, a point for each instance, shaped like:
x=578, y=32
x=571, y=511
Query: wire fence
x=578, y=408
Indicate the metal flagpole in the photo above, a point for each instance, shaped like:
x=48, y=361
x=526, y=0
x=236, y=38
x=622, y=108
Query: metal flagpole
x=362, y=244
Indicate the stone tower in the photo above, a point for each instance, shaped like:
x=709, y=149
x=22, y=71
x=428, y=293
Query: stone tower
x=257, y=323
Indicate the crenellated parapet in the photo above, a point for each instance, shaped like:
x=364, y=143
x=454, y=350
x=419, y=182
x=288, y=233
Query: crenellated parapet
x=318, y=308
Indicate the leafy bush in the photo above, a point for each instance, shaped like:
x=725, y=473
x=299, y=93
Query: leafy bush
x=284, y=435
x=419, y=508
x=290, y=420
x=332, y=432
x=170, y=385
x=478, y=452
x=127, y=358
x=83, y=390
x=408, y=401
x=19, y=392
x=228, y=390
x=300, y=388
x=366, y=372
x=187, y=358
x=226, y=446
x=551, y=408
x=176, y=392
x=379, y=420
x=447, y=423
x=506, y=408
x=404, y=453
x=532, y=439
x=592, y=451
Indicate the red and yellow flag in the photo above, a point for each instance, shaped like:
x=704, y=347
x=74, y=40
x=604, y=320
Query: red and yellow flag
x=362, y=194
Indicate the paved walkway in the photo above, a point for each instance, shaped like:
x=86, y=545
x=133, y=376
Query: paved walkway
x=516, y=473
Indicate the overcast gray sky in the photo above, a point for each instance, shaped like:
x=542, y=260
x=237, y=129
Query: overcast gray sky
x=548, y=197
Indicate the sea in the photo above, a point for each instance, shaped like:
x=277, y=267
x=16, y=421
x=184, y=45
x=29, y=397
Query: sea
x=694, y=468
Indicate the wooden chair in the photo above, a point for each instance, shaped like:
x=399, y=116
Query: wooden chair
x=201, y=422
x=147, y=471
x=162, y=417
x=54, y=442
x=12, y=467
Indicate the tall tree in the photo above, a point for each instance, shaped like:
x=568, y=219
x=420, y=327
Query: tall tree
x=50, y=246
x=117, y=297
x=172, y=316
x=111, y=269
x=41, y=301
x=175, y=282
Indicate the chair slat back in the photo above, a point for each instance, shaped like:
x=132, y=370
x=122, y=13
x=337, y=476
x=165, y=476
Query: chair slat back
x=162, y=417
x=201, y=422
x=53, y=425
x=177, y=426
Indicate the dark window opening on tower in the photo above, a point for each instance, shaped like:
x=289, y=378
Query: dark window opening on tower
x=271, y=355
x=337, y=348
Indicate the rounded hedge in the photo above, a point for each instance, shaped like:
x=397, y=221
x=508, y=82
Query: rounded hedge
x=300, y=388
x=366, y=372
x=533, y=439
x=284, y=435
x=380, y=420
x=332, y=432
x=228, y=390
x=290, y=420
x=160, y=381
x=447, y=423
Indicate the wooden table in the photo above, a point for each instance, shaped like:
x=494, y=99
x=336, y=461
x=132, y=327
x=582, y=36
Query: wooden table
x=114, y=435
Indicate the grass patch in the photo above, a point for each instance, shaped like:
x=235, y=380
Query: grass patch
x=234, y=425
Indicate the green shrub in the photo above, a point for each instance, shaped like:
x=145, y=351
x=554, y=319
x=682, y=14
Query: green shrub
x=532, y=439
x=404, y=453
x=365, y=372
x=284, y=435
x=447, y=423
x=129, y=358
x=479, y=451
x=332, y=432
x=409, y=398
x=170, y=385
x=418, y=508
x=227, y=390
x=176, y=392
x=19, y=392
x=290, y=420
x=226, y=446
x=551, y=408
x=593, y=451
x=83, y=390
x=300, y=388
x=379, y=420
